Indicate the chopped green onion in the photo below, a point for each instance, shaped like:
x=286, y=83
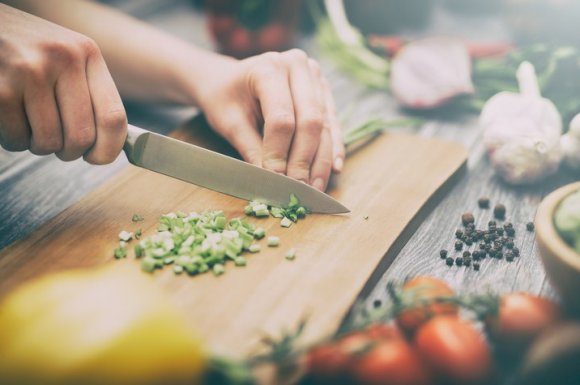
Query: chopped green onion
x=177, y=269
x=240, y=261
x=138, y=234
x=148, y=264
x=254, y=248
x=273, y=241
x=259, y=233
x=125, y=236
x=262, y=213
x=120, y=252
x=285, y=222
x=137, y=218
x=218, y=269
x=291, y=254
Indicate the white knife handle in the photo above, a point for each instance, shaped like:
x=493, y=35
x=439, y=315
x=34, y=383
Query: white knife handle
x=131, y=144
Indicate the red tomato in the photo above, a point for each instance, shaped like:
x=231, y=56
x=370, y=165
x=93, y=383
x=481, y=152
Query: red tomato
x=275, y=37
x=327, y=364
x=392, y=361
x=239, y=43
x=521, y=318
x=380, y=331
x=424, y=288
x=455, y=350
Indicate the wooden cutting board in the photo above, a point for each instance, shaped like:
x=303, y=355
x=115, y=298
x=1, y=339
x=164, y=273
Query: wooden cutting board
x=386, y=184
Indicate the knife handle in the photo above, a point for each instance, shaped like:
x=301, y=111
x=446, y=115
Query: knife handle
x=131, y=143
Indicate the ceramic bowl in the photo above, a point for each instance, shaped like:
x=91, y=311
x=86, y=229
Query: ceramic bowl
x=561, y=261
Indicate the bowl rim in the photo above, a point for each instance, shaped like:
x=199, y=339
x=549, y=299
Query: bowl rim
x=546, y=230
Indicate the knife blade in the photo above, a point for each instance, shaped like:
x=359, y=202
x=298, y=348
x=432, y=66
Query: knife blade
x=221, y=173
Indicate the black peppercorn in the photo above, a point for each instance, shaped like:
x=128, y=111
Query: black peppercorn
x=509, y=245
x=467, y=218
x=478, y=234
x=459, y=261
x=516, y=252
x=508, y=225
x=470, y=227
x=458, y=245
x=459, y=234
x=510, y=232
x=483, y=202
x=510, y=258
x=468, y=242
x=476, y=266
x=499, y=211
x=499, y=232
x=443, y=254
x=491, y=223
x=482, y=246
x=499, y=255
x=466, y=254
x=449, y=261
x=509, y=255
x=467, y=261
x=530, y=226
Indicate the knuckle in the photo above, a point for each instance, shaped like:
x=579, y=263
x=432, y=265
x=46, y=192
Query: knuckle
x=271, y=58
x=283, y=124
x=312, y=123
x=113, y=121
x=87, y=46
x=275, y=164
x=100, y=158
x=82, y=138
x=62, y=52
x=299, y=169
x=296, y=54
x=314, y=66
x=45, y=146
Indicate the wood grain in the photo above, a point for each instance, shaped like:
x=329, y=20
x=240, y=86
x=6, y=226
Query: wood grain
x=385, y=185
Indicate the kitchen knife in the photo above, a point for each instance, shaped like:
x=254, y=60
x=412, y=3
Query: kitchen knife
x=221, y=173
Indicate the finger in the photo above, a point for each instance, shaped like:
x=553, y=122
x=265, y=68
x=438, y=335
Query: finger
x=241, y=132
x=109, y=113
x=322, y=165
x=270, y=85
x=309, y=112
x=338, y=151
x=43, y=117
x=76, y=112
x=14, y=128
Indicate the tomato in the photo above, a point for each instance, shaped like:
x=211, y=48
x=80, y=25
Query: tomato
x=392, y=361
x=327, y=364
x=520, y=319
x=239, y=43
x=380, y=331
x=424, y=288
x=455, y=350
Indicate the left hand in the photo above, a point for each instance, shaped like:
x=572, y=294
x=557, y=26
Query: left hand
x=286, y=94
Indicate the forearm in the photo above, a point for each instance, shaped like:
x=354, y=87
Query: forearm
x=146, y=63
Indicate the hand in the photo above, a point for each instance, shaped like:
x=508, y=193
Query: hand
x=56, y=93
x=285, y=94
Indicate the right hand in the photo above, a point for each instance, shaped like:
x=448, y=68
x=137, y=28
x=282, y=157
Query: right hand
x=56, y=93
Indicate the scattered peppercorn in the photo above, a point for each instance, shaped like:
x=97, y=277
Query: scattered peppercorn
x=449, y=261
x=459, y=234
x=476, y=266
x=516, y=252
x=468, y=242
x=499, y=232
x=492, y=223
x=499, y=255
x=509, y=245
x=510, y=258
x=483, y=202
x=510, y=232
x=482, y=246
x=508, y=225
x=443, y=254
x=530, y=226
x=467, y=218
x=466, y=254
x=499, y=211
x=467, y=262
x=470, y=227
x=459, y=261
x=458, y=245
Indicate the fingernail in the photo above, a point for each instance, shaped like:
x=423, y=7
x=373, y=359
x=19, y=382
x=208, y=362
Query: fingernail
x=318, y=184
x=338, y=163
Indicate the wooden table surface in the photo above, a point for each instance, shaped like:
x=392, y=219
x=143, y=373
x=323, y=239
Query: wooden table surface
x=34, y=189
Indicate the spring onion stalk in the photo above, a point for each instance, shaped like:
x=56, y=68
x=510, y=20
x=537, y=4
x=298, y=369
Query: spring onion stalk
x=137, y=218
x=373, y=127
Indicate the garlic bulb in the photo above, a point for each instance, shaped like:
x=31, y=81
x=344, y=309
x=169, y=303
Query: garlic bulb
x=522, y=131
x=570, y=144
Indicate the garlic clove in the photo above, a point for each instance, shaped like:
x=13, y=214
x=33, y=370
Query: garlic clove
x=427, y=73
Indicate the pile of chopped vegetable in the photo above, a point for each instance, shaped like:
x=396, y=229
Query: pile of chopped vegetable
x=197, y=243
